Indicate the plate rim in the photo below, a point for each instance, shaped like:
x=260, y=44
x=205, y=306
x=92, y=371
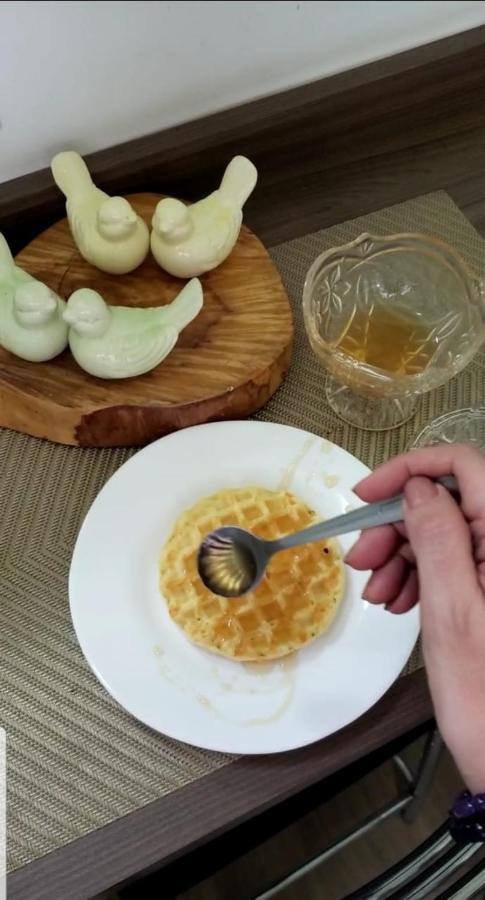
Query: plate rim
x=205, y=744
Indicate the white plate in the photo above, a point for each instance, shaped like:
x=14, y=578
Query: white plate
x=145, y=661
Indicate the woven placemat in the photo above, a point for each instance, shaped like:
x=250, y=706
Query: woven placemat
x=76, y=761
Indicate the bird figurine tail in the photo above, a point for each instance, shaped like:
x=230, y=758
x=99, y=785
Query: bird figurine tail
x=238, y=181
x=186, y=305
x=6, y=258
x=71, y=173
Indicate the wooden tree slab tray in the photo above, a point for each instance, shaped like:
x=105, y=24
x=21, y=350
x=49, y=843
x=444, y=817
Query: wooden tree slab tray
x=227, y=363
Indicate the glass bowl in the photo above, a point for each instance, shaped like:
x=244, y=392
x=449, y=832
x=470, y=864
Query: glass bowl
x=463, y=426
x=390, y=318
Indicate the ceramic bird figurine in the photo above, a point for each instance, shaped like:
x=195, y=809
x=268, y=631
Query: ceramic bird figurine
x=190, y=240
x=121, y=342
x=107, y=231
x=31, y=323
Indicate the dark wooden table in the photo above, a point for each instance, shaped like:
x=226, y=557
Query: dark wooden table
x=326, y=152
x=195, y=815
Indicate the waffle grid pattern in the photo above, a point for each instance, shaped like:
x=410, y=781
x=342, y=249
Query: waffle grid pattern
x=295, y=602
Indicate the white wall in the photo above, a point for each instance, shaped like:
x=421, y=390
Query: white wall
x=90, y=74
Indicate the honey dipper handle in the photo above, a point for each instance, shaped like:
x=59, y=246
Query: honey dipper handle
x=386, y=512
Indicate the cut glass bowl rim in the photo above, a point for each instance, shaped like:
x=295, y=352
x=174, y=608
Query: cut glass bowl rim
x=434, y=426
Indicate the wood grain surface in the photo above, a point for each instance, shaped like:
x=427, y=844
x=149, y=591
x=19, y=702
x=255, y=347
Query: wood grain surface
x=199, y=812
x=226, y=364
x=326, y=152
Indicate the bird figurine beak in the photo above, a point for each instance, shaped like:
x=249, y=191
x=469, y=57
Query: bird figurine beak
x=165, y=230
x=68, y=317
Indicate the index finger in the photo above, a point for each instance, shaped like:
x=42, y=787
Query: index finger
x=461, y=460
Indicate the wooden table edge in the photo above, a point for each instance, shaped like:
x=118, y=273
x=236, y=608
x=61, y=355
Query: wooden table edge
x=162, y=831
x=165, y=829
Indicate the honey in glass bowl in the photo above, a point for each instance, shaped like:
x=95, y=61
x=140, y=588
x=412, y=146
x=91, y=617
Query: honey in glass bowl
x=390, y=318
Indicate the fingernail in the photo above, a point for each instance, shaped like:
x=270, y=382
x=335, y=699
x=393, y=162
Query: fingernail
x=348, y=556
x=419, y=491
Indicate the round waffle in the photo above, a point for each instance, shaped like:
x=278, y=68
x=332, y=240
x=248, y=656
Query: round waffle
x=296, y=600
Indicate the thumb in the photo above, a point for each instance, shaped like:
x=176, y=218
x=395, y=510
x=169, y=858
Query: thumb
x=441, y=540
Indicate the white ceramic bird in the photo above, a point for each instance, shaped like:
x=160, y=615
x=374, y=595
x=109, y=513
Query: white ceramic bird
x=121, y=342
x=31, y=323
x=107, y=231
x=190, y=240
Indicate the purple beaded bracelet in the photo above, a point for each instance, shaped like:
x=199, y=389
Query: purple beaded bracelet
x=467, y=818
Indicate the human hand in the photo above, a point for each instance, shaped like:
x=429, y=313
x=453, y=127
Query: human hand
x=437, y=557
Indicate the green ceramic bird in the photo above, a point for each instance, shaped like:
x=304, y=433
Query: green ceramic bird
x=191, y=240
x=107, y=231
x=31, y=323
x=121, y=342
